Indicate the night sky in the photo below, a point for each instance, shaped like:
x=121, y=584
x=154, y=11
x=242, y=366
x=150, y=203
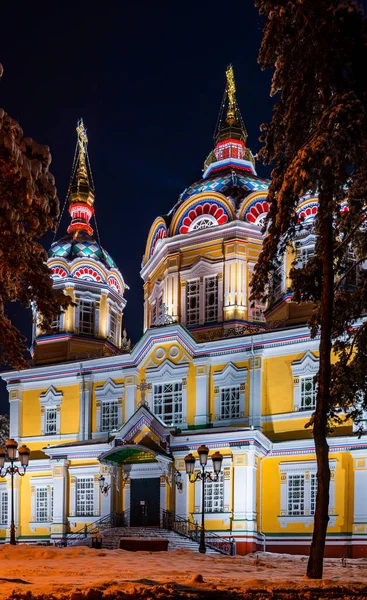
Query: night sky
x=148, y=79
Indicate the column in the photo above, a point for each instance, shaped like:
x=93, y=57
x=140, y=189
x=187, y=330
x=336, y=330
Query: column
x=130, y=395
x=85, y=394
x=183, y=302
x=106, y=500
x=255, y=392
x=163, y=492
x=182, y=495
x=15, y=400
x=59, y=478
x=202, y=394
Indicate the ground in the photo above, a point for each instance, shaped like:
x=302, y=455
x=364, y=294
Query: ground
x=80, y=573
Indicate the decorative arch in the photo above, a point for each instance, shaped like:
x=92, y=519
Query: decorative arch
x=88, y=272
x=115, y=284
x=58, y=272
x=200, y=212
x=254, y=209
x=307, y=210
x=158, y=232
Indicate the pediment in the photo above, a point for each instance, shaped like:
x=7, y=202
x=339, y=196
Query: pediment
x=143, y=421
x=307, y=364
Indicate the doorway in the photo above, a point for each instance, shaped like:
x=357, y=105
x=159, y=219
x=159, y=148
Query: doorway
x=144, y=502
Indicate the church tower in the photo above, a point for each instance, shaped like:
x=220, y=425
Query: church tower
x=84, y=270
x=199, y=258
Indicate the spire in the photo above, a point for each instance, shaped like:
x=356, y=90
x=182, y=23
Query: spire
x=81, y=198
x=230, y=135
x=230, y=124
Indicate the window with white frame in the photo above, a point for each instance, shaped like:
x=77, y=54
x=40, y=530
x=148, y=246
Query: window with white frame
x=84, y=496
x=276, y=283
x=113, y=325
x=51, y=420
x=211, y=299
x=42, y=502
x=86, y=316
x=230, y=402
x=193, y=302
x=214, y=495
x=305, y=388
x=4, y=507
x=56, y=323
x=255, y=308
x=167, y=402
x=110, y=415
x=229, y=393
x=303, y=255
x=308, y=393
x=298, y=490
x=153, y=313
x=301, y=498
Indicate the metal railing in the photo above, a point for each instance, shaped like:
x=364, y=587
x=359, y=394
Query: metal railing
x=114, y=519
x=191, y=530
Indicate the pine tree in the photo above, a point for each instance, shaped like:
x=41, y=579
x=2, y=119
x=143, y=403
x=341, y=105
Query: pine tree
x=28, y=209
x=317, y=143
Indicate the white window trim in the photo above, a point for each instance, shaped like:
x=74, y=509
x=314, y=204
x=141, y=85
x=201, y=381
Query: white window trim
x=303, y=468
x=50, y=399
x=203, y=268
x=36, y=482
x=226, y=513
x=308, y=366
x=168, y=372
x=87, y=295
x=4, y=488
x=157, y=293
x=109, y=391
x=230, y=376
x=86, y=471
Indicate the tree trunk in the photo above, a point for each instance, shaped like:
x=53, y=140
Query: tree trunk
x=315, y=562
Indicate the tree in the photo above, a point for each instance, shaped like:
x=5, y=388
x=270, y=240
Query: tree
x=317, y=143
x=4, y=429
x=28, y=209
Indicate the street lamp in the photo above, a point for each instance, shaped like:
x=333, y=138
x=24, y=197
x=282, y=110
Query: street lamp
x=11, y=455
x=190, y=460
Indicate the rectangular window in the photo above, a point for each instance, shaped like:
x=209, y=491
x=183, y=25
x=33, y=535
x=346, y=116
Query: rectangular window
x=4, y=507
x=214, y=495
x=296, y=494
x=55, y=325
x=167, y=402
x=230, y=402
x=211, y=299
x=41, y=504
x=86, y=317
x=153, y=313
x=276, y=283
x=50, y=419
x=308, y=393
x=313, y=493
x=110, y=415
x=113, y=326
x=192, y=302
x=303, y=254
x=84, y=496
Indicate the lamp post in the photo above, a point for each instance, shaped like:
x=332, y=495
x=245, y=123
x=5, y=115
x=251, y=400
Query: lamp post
x=217, y=459
x=11, y=455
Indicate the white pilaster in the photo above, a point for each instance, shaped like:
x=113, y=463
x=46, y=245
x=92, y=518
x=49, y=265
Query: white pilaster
x=202, y=394
x=15, y=400
x=256, y=373
x=163, y=492
x=130, y=395
x=59, y=479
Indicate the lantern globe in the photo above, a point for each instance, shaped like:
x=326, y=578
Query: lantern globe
x=24, y=453
x=190, y=463
x=2, y=457
x=11, y=447
x=217, y=460
x=203, y=452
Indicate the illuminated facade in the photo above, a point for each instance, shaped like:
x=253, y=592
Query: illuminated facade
x=210, y=369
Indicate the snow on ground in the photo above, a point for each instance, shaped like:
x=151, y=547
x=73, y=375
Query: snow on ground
x=71, y=572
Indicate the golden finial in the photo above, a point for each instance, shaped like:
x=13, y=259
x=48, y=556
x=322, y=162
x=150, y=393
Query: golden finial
x=82, y=143
x=231, y=92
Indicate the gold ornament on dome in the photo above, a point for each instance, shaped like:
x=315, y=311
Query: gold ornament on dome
x=231, y=92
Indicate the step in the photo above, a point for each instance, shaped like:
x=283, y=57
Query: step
x=111, y=538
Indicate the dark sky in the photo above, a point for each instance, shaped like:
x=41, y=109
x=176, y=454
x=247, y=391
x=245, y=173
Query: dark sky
x=148, y=79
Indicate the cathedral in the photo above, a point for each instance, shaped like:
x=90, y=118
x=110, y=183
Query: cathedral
x=212, y=368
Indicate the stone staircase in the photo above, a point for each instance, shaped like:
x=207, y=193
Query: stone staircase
x=111, y=538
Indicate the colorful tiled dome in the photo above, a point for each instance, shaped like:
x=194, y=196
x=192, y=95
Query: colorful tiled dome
x=84, y=246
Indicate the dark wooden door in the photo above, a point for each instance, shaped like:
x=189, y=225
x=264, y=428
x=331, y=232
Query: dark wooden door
x=144, y=502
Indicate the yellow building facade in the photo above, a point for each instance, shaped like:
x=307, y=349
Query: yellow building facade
x=209, y=369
